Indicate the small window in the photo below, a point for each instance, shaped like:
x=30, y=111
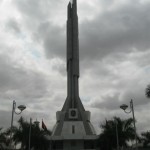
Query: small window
x=73, y=129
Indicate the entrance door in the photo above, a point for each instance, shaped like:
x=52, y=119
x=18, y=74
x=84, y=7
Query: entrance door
x=73, y=145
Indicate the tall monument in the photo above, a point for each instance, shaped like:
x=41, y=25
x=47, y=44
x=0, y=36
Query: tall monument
x=73, y=129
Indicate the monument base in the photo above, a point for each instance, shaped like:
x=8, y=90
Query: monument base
x=72, y=135
x=73, y=145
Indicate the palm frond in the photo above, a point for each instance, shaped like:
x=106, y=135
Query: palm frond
x=147, y=91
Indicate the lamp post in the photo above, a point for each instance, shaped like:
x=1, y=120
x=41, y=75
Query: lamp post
x=117, y=138
x=21, y=108
x=124, y=107
x=36, y=123
x=30, y=133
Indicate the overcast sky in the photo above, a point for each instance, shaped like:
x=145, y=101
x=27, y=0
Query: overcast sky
x=114, y=58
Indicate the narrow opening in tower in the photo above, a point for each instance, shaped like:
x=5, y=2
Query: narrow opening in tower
x=73, y=129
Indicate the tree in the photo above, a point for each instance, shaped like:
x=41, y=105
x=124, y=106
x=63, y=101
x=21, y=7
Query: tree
x=4, y=139
x=145, y=138
x=39, y=140
x=147, y=91
x=107, y=139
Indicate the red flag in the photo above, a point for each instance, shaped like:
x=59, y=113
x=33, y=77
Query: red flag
x=44, y=126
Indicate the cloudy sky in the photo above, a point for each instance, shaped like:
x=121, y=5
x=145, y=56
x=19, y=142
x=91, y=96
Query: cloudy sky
x=114, y=58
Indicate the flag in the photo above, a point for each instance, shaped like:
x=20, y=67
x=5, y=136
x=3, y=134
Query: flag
x=44, y=126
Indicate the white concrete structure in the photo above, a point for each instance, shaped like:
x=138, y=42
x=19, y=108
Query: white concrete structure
x=73, y=129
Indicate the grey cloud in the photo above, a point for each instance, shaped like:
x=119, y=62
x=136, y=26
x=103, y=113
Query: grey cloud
x=114, y=31
x=54, y=43
x=60, y=68
x=121, y=94
x=34, y=9
x=136, y=93
x=13, y=25
x=36, y=12
x=108, y=102
x=107, y=2
x=28, y=87
x=107, y=88
x=18, y=82
x=141, y=58
x=52, y=38
x=5, y=120
x=110, y=33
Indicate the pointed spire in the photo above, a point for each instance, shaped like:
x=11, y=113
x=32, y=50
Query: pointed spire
x=74, y=5
x=69, y=10
x=71, y=1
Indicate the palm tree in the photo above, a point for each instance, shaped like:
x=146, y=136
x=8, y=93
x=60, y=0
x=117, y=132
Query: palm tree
x=4, y=139
x=21, y=134
x=39, y=140
x=107, y=139
x=145, y=138
x=147, y=91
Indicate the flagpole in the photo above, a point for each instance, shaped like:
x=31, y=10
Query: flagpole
x=30, y=133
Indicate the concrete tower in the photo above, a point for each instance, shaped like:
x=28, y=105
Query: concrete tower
x=73, y=129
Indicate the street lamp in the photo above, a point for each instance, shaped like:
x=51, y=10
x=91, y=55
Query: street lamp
x=21, y=108
x=124, y=107
x=36, y=123
x=117, y=138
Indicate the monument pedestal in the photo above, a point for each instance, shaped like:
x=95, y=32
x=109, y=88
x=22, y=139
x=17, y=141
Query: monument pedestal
x=73, y=144
x=72, y=135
